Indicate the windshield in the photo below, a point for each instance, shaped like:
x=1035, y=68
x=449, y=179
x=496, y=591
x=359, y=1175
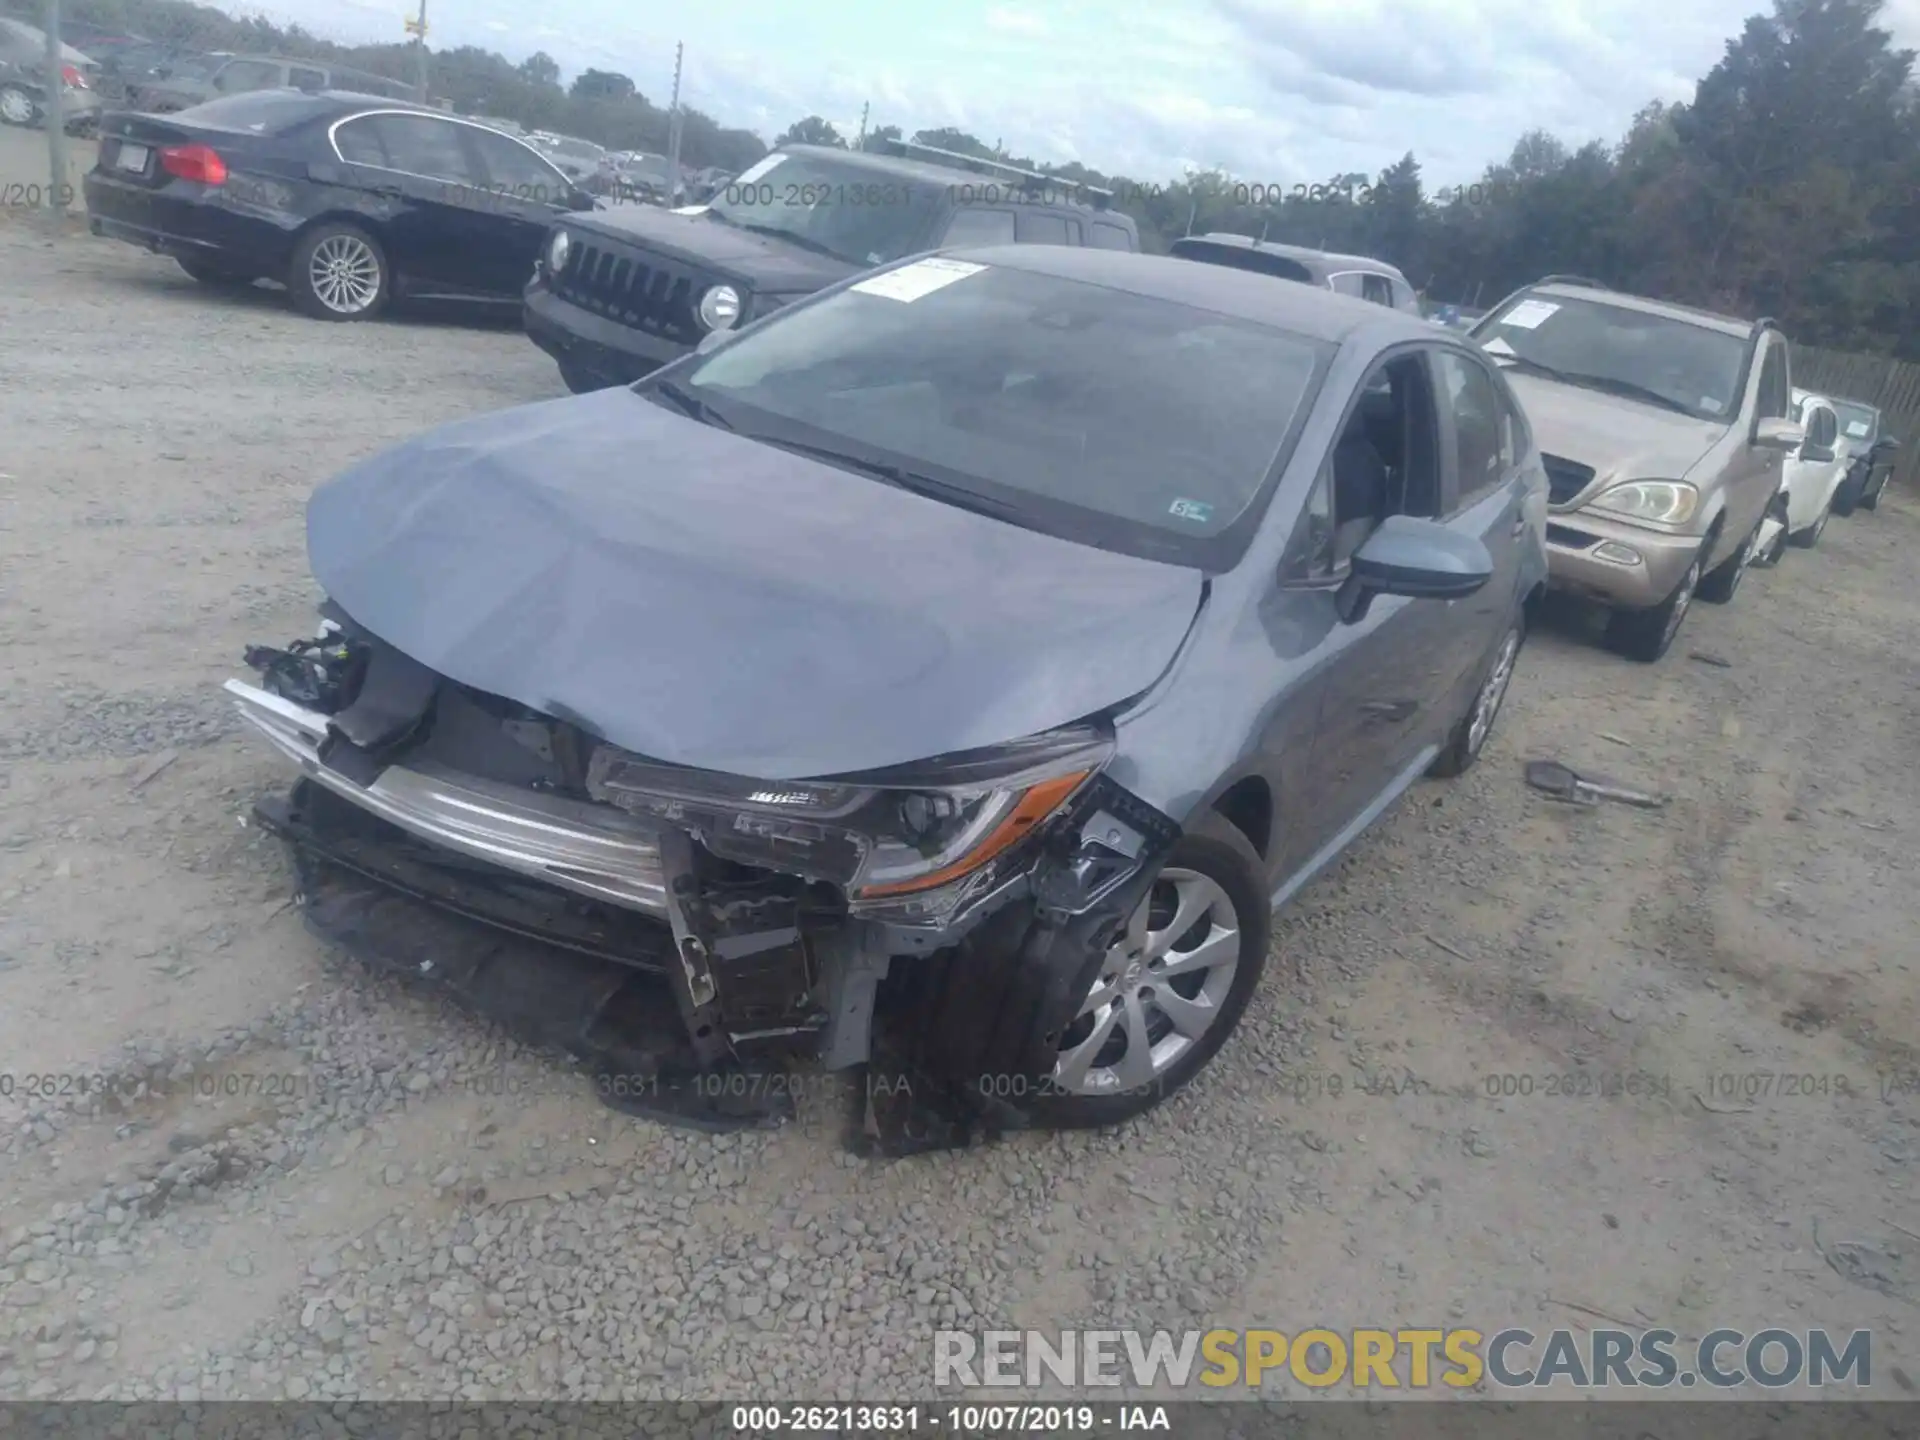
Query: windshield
x=1683, y=366
x=1857, y=422
x=845, y=210
x=1121, y=421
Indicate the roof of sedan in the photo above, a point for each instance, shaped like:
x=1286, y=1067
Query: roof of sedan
x=1266, y=299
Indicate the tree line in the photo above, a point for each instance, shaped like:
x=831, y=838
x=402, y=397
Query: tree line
x=1789, y=186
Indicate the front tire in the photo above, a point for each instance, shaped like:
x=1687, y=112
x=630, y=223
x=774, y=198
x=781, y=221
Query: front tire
x=1808, y=538
x=1470, y=735
x=1718, y=585
x=1172, y=987
x=1647, y=635
x=339, y=272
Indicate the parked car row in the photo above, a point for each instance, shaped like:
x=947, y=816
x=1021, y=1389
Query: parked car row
x=949, y=633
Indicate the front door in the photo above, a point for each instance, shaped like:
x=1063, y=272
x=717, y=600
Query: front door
x=1755, y=473
x=1385, y=680
x=528, y=195
x=432, y=202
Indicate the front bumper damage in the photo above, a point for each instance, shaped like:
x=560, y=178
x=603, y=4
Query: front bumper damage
x=688, y=987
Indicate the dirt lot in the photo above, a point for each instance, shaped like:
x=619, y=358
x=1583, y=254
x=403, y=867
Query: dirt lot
x=350, y=1191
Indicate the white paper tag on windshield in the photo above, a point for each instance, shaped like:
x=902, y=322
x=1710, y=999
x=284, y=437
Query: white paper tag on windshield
x=922, y=277
x=758, y=169
x=1857, y=428
x=1528, y=314
x=1497, y=346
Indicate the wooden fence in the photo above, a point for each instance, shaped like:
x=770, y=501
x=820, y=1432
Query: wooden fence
x=1892, y=385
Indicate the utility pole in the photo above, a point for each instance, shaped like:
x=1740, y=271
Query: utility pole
x=673, y=129
x=861, y=143
x=418, y=25
x=56, y=116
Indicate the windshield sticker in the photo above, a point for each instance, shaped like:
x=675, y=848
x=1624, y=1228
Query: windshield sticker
x=1198, y=511
x=1713, y=405
x=1528, y=314
x=910, y=282
x=759, y=170
x=1497, y=346
x=1857, y=428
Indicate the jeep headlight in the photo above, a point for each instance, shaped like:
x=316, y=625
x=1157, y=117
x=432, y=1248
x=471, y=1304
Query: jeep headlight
x=1651, y=502
x=557, y=251
x=719, y=307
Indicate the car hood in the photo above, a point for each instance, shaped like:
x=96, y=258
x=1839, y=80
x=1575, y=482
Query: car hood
x=1619, y=438
x=766, y=262
x=707, y=600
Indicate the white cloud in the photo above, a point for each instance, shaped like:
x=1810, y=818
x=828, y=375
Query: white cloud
x=1016, y=22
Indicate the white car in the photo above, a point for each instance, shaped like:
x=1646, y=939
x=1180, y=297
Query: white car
x=1807, y=481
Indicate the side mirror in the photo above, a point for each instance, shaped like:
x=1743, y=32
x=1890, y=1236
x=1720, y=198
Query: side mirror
x=1816, y=454
x=1778, y=433
x=1887, y=443
x=1420, y=559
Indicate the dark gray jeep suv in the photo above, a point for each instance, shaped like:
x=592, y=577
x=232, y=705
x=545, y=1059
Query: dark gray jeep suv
x=622, y=291
x=944, y=676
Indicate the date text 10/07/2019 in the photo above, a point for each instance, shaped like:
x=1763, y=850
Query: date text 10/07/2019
x=944, y=1419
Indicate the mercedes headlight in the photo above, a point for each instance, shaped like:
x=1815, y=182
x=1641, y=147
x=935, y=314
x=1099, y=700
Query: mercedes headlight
x=913, y=843
x=719, y=307
x=557, y=250
x=1653, y=502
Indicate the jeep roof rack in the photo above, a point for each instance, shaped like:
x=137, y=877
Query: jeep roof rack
x=980, y=165
x=1583, y=281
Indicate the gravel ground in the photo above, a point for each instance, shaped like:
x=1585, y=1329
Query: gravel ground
x=305, y=1182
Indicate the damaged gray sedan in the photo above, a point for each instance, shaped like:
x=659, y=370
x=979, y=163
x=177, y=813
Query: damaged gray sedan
x=940, y=680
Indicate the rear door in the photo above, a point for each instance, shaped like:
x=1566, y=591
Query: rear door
x=421, y=178
x=243, y=74
x=1045, y=227
x=1485, y=491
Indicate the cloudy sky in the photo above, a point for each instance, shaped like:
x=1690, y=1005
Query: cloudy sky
x=1273, y=90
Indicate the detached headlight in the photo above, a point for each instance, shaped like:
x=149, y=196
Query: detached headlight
x=719, y=307
x=557, y=250
x=1656, y=502
x=915, y=841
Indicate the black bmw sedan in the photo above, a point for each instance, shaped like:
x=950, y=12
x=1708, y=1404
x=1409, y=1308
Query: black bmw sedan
x=351, y=201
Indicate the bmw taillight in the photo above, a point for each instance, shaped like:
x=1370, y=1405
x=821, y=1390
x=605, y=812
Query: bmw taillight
x=194, y=162
x=71, y=77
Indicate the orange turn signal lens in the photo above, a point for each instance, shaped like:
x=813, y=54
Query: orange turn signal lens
x=1036, y=805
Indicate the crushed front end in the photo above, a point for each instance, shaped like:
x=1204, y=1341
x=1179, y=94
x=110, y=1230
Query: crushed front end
x=928, y=929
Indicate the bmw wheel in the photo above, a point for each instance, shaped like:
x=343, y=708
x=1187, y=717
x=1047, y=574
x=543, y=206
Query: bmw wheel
x=339, y=272
x=1170, y=988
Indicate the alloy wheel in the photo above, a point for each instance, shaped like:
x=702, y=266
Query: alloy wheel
x=1486, y=708
x=15, y=106
x=345, y=274
x=1161, y=988
x=1682, y=599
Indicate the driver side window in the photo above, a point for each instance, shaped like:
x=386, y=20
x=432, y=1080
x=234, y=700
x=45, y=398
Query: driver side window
x=1386, y=461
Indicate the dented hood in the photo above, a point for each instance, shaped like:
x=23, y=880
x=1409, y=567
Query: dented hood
x=707, y=600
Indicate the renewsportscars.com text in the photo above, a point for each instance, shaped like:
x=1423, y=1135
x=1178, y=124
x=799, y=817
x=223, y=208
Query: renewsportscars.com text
x=1408, y=1358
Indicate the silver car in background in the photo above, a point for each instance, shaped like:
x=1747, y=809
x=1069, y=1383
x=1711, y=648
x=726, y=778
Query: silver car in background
x=23, y=80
